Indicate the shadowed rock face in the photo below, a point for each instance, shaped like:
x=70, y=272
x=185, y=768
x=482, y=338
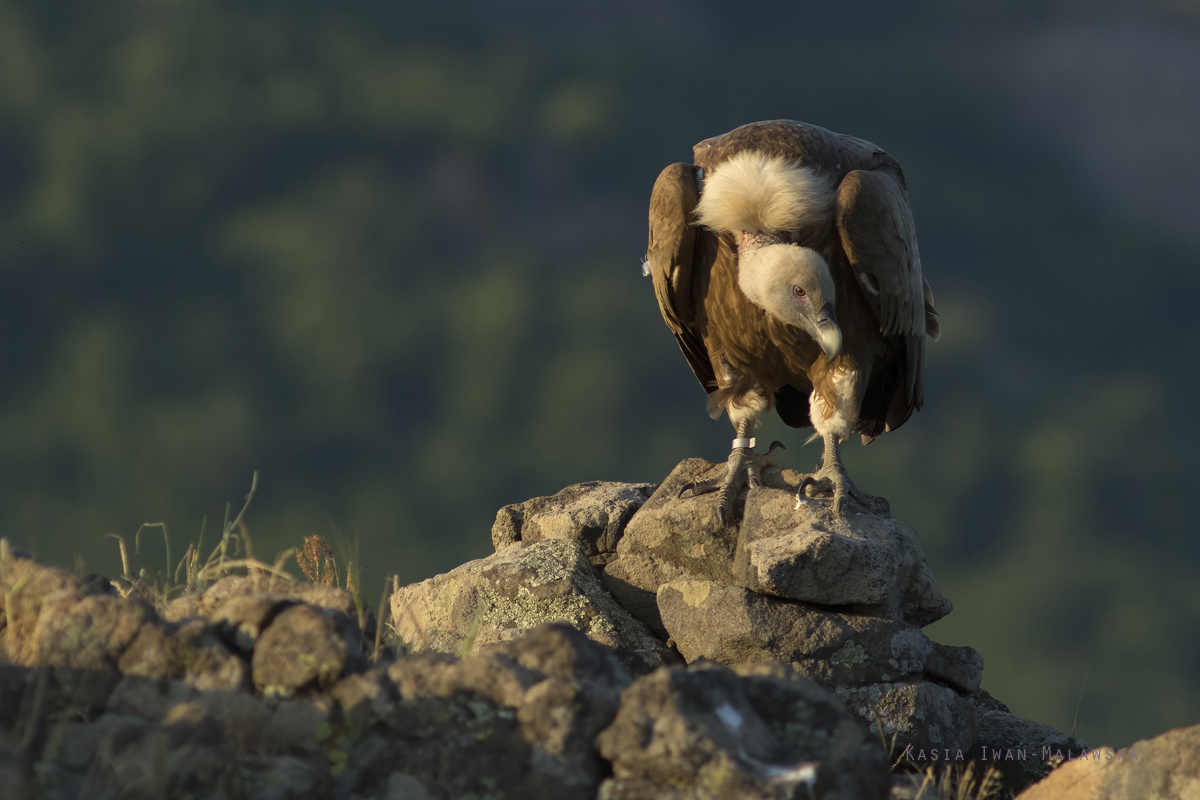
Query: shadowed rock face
x=554, y=668
x=519, y=721
x=724, y=735
x=887, y=672
x=731, y=625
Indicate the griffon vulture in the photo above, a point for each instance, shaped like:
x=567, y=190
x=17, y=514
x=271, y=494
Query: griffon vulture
x=785, y=262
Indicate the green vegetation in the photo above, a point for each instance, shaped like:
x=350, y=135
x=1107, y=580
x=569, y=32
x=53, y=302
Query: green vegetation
x=388, y=259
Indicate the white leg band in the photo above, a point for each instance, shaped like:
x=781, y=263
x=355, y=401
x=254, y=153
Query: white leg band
x=743, y=443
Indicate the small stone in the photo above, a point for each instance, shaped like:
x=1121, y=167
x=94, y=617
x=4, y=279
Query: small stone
x=288, y=778
x=402, y=786
x=304, y=647
x=594, y=514
x=243, y=618
x=366, y=699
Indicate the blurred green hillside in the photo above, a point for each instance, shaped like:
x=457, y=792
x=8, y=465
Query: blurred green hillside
x=389, y=258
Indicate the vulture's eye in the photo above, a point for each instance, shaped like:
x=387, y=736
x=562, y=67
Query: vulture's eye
x=799, y=292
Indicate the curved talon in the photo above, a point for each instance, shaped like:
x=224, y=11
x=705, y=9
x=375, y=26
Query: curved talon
x=830, y=478
x=700, y=487
x=775, y=444
x=843, y=491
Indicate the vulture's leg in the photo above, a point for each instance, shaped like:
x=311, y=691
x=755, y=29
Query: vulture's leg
x=832, y=477
x=742, y=470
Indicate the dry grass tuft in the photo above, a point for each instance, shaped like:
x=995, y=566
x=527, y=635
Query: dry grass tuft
x=193, y=575
x=234, y=554
x=957, y=782
x=316, y=554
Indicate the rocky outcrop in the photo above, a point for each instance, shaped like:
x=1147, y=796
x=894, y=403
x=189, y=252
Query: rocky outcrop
x=620, y=643
x=517, y=722
x=839, y=601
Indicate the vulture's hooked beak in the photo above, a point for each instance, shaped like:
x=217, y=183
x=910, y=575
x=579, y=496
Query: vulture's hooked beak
x=830, y=333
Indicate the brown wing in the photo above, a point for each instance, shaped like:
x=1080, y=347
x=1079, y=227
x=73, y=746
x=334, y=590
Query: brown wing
x=880, y=239
x=671, y=256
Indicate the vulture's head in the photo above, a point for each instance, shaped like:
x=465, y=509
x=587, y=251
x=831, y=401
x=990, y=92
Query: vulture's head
x=793, y=284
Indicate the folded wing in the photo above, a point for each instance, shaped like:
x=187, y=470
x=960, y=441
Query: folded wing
x=671, y=257
x=880, y=239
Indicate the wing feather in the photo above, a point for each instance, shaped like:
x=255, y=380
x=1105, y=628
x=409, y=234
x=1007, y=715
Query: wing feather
x=880, y=239
x=670, y=257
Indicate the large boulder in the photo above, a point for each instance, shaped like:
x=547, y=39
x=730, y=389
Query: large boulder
x=872, y=563
x=493, y=600
x=709, y=732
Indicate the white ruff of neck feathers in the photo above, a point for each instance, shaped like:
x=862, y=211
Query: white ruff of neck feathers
x=755, y=192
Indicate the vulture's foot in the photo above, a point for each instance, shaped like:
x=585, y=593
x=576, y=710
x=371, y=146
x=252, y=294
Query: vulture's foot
x=826, y=481
x=743, y=470
x=831, y=478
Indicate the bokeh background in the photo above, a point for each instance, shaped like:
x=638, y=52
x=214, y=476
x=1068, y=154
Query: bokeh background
x=388, y=256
